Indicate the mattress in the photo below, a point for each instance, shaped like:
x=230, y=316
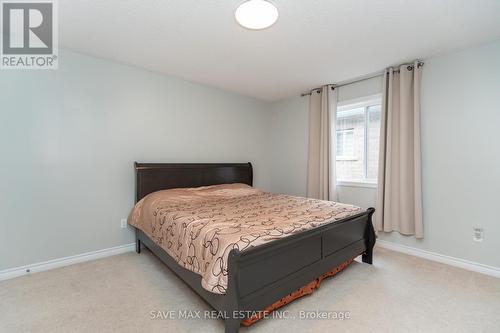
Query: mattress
x=198, y=227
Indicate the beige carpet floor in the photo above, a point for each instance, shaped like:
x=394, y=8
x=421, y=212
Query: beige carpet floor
x=399, y=293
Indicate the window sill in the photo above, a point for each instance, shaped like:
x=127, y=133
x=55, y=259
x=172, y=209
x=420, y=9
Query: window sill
x=356, y=184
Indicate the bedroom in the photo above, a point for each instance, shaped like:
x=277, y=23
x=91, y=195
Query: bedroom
x=185, y=82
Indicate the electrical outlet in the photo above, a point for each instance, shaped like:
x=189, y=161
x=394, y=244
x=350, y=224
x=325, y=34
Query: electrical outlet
x=123, y=223
x=477, y=234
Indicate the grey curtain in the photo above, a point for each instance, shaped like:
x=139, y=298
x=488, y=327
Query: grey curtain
x=321, y=178
x=399, y=200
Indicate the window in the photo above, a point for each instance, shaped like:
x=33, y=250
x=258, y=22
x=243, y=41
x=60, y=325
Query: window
x=357, y=135
x=345, y=144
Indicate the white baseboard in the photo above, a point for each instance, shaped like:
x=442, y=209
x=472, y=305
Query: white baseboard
x=457, y=262
x=55, y=263
x=66, y=261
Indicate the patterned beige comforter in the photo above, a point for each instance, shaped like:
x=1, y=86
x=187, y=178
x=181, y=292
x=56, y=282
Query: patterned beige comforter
x=199, y=226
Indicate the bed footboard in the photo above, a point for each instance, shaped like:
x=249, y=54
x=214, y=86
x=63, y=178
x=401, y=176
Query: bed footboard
x=262, y=275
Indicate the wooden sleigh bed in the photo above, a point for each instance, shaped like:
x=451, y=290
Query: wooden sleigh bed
x=264, y=274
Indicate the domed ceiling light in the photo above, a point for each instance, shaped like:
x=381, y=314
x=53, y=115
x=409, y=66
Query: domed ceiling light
x=256, y=14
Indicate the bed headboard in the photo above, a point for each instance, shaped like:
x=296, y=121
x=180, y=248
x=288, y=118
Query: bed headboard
x=151, y=177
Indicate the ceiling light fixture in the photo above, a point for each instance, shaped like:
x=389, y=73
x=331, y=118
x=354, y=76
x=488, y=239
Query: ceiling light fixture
x=256, y=14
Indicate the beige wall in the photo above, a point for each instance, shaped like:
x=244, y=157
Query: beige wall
x=68, y=140
x=288, y=146
x=460, y=153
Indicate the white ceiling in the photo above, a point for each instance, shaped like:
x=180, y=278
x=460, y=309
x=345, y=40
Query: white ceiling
x=314, y=41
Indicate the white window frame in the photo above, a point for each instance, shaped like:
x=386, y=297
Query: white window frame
x=365, y=103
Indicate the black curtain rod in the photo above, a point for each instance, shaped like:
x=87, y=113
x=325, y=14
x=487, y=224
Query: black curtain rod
x=365, y=77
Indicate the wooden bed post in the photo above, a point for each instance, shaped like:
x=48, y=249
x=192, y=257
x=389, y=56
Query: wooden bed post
x=369, y=238
x=137, y=182
x=232, y=321
x=137, y=242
